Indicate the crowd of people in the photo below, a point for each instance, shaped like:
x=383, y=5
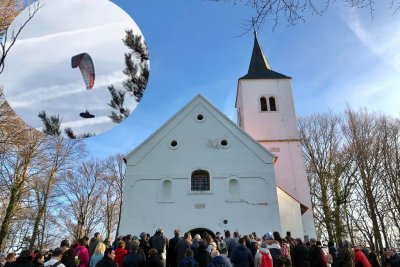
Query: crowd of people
x=206, y=250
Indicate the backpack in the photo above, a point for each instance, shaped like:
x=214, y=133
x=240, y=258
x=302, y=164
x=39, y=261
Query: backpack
x=158, y=243
x=284, y=251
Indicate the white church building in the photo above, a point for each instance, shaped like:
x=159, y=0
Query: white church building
x=202, y=172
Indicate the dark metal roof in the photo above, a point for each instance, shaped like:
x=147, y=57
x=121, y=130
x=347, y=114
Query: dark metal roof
x=259, y=67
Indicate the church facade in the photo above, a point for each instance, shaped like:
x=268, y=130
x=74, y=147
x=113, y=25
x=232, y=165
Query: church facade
x=200, y=171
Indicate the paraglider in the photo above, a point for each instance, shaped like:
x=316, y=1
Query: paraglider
x=86, y=115
x=85, y=64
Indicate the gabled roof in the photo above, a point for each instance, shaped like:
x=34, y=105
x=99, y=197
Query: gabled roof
x=153, y=140
x=259, y=67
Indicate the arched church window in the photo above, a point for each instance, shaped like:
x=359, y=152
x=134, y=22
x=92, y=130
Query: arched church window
x=200, y=181
x=263, y=103
x=272, y=104
x=233, y=190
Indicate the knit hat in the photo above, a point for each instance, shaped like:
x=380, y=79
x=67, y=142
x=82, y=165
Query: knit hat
x=269, y=236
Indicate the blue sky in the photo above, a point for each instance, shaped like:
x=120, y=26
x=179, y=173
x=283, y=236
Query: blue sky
x=341, y=58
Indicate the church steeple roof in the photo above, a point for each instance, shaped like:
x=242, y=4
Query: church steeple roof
x=259, y=67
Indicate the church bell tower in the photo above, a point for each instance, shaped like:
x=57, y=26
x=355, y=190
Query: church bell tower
x=265, y=109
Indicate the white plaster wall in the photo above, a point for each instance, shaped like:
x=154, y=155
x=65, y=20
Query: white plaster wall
x=198, y=148
x=290, y=208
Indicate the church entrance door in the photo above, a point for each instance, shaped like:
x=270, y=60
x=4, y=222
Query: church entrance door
x=201, y=231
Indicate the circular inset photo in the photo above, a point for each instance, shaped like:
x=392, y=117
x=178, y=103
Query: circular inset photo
x=77, y=68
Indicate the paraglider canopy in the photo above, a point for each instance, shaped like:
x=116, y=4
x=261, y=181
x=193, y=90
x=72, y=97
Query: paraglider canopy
x=85, y=64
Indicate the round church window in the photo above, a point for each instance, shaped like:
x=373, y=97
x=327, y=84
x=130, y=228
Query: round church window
x=173, y=144
x=224, y=143
x=199, y=117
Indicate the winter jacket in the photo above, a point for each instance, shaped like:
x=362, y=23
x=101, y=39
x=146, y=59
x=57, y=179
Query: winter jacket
x=95, y=259
x=217, y=261
x=360, y=260
x=333, y=252
x=92, y=245
x=228, y=262
x=134, y=259
x=180, y=249
x=154, y=262
x=259, y=254
x=202, y=256
x=106, y=262
x=231, y=244
x=119, y=256
x=22, y=262
x=171, y=254
x=300, y=256
x=145, y=246
x=242, y=257
x=83, y=255
x=188, y=262
x=316, y=257
x=395, y=261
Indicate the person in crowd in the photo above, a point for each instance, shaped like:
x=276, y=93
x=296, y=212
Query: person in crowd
x=216, y=260
x=96, y=239
x=107, y=242
x=201, y=254
x=38, y=260
x=55, y=260
x=230, y=242
x=333, y=252
x=345, y=255
x=144, y=244
x=182, y=246
x=284, y=250
x=160, y=243
x=135, y=258
x=154, y=259
x=188, y=260
x=195, y=242
x=11, y=257
x=300, y=254
x=24, y=260
x=241, y=256
x=315, y=252
x=274, y=248
x=394, y=258
x=171, y=253
x=128, y=242
x=120, y=253
x=81, y=254
x=219, y=241
x=360, y=259
x=224, y=255
x=64, y=246
x=98, y=254
x=263, y=258
x=209, y=240
x=108, y=259
x=373, y=258
x=67, y=258
x=2, y=259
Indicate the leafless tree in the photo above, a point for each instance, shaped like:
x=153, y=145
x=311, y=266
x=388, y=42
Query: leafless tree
x=294, y=11
x=83, y=189
x=327, y=163
x=114, y=180
x=9, y=9
x=59, y=155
